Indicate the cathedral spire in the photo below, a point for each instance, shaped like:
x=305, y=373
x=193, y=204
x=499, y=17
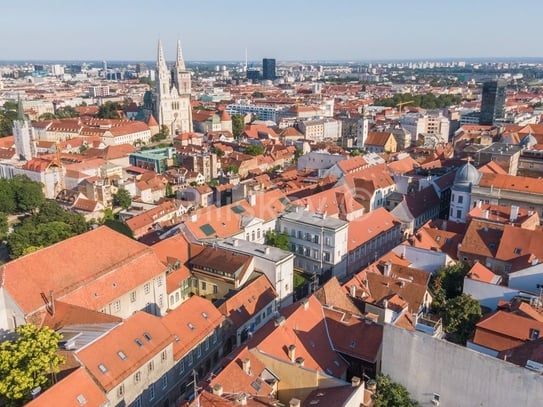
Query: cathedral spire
x=180, y=63
x=160, y=61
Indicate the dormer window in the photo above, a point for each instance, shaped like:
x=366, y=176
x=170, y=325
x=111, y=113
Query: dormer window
x=534, y=334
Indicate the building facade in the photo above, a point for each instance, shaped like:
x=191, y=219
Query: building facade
x=492, y=102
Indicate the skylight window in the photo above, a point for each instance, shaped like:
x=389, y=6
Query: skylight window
x=191, y=327
x=147, y=336
x=102, y=368
x=121, y=355
x=518, y=250
x=138, y=342
x=204, y=315
x=81, y=400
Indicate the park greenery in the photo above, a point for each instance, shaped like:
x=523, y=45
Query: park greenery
x=122, y=198
x=28, y=362
x=254, y=149
x=459, y=312
x=426, y=101
x=8, y=113
x=238, y=122
x=42, y=222
x=280, y=240
x=391, y=394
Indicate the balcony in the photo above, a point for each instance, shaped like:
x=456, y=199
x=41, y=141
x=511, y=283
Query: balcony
x=429, y=324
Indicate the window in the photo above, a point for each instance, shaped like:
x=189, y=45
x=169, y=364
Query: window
x=253, y=234
x=327, y=241
x=159, y=281
x=137, y=377
x=117, y=306
x=177, y=295
x=163, y=356
x=172, y=299
x=326, y=256
x=195, y=283
x=269, y=310
x=181, y=367
x=459, y=214
x=460, y=199
x=300, y=234
x=215, y=289
x=206, y=344
x=102, y=368
x=152, y=391
x=138, y=342
x=258, y=233
x=199, y=351
x=137, y=402
x=133, y=296
x=191, y=360
x=120, y=391
x=161, y=300
x=258, y=319
x=214, y=336
x=164, y=381
x=204, y=286
x=121, y=355
x=151, y=366
x=518, y=250
x=147, y=288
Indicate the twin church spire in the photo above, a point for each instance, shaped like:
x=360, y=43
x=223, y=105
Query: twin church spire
x=161, y=61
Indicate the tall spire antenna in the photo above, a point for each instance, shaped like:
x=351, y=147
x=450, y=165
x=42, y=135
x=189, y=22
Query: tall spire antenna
x=160, y=61
x=180, y=62
x=20, y=110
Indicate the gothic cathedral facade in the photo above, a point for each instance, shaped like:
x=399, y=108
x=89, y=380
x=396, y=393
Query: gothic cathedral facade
x=171, y=98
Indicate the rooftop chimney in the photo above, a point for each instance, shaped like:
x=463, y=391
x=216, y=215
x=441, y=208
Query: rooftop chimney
x=217, y=389
x=235, y=243
x=251, y=198
x=486, y=213
x=267, y=250
x=300, y=361
x=305, y=303
x=246, y=366
x=292, y=352
x=514, y=213
x=355, y=381
x=388, y=267
x=241, y=400
x=294, y=403
x=353, y=291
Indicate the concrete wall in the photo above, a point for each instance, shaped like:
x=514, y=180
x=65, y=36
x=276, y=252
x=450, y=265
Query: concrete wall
x=462, y=377
x=527, y=279
x=487, y=294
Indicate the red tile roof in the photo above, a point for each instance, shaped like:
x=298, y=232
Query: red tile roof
x=191, y=323
x=248, y=301
x=369, y=226
x=88, y=270
x=75, y=390
x=148, y=329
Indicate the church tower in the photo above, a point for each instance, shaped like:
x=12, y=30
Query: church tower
x=23, y=134
x=172, y=93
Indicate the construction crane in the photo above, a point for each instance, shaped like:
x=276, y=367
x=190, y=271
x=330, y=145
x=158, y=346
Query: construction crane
x=401, y=104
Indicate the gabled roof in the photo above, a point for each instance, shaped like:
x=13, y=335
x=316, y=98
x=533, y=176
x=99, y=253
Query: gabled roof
x=520, y=247
x=521, y=354
x=304, y=327
x=369, y=226
x=378, y=138
x=480, y=273
x=248, y=301
x=190, y=323
x=89, y=270
x=512, y=183
x=337, y=202
x=234, y=379
x=504, y=330
x=332, y=294
x=75, y=390
x=482, y=238
x=352, y=164
x=126, y=348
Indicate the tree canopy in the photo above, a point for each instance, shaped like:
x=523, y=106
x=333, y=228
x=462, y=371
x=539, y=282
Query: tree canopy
x=275, y=239
x=122, y=198
x=254, y=149
x=27, y=362
x=460, y=315
x=391, y=394
x=447, y=283
x=238, y=122
x=109, y=110
x=426, y=101
x=20, y=194
x=50, y=224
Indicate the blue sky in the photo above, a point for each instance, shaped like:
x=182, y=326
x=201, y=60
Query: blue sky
x=285, y=30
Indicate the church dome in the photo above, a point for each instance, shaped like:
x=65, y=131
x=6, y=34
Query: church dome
x=528, y=141
x=467, y=174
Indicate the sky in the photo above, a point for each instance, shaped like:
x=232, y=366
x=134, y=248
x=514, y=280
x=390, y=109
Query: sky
x=293, y=30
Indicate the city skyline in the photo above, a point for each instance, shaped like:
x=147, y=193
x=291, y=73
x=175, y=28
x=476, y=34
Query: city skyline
x=284, y=31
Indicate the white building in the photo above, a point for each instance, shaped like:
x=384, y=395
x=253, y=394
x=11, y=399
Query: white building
x=23, y=133
x=276, y=264
x=320, y=242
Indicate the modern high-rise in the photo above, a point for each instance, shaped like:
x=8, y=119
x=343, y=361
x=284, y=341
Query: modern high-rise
x=492, y=102
x=268, y=69
x=172, y=94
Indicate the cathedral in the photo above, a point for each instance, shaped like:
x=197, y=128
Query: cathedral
x=171, y=99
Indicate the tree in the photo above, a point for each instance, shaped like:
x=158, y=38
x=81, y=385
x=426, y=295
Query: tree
x=275, y=239
x=28, y=361
x=391, y=394
x=447, y=283
x=109, y=110
x=28, y=194
x=238, y=122
x=66, y=112
x=8, y=204
x=122, y=198
x=254, y=149
x=460, y=315
x=4, y=226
